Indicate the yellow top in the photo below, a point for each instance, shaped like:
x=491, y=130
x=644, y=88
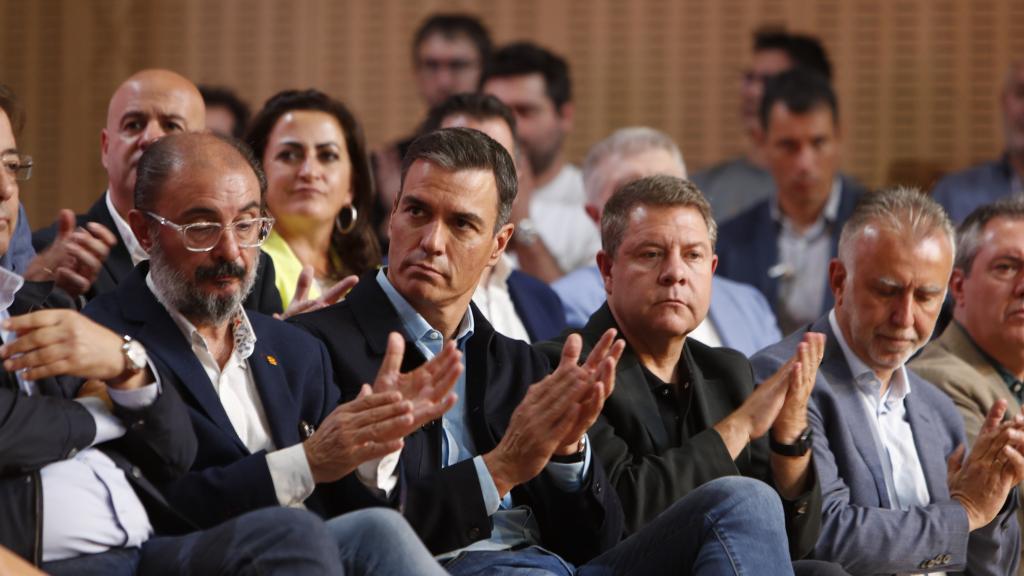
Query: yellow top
x=287, y=269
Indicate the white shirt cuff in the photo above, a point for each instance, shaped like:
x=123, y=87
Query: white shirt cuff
x=290, y=473
x=136, y=399
x=570, y=477
x=487, y=488
x=379, y=474
x=108, y=426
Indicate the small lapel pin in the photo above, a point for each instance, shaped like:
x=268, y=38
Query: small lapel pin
x=272, y=360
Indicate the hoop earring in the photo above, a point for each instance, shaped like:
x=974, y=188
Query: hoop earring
x=349, y=220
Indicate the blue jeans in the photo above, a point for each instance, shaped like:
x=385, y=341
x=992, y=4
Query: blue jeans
x=266, y=541
x=731, y=525
x=379, y=541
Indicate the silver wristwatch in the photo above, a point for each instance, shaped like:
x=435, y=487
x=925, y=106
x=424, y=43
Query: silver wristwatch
x=135, y=358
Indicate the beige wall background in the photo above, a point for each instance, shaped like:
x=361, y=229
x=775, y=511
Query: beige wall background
x=918, y=80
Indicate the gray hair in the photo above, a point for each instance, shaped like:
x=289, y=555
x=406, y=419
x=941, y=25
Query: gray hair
x=623, y=143
x=902, y=209
x=176, y=152
x=660, y=190
x=466, y=149
x=969, y=234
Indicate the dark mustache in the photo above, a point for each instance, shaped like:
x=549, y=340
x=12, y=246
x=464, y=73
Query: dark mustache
x=220, y=270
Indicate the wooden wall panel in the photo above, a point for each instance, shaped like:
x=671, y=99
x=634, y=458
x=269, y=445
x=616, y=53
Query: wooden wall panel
x=918, y=79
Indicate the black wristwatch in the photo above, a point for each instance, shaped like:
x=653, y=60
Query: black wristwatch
x=796, y=449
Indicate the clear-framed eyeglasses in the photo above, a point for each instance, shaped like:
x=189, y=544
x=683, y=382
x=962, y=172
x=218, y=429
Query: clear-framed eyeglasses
x=203, y=236
x=19, y=166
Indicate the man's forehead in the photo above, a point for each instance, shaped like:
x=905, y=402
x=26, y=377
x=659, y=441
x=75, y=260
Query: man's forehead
x=156, y=98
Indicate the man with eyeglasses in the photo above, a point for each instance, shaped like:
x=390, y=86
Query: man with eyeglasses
x=146, y=107
x=449, y=54
x=259, y=392
x=79, y=462
x=739, y=183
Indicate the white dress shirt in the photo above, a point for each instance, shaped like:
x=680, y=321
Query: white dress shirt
x=236, y=388
x=493, y=299
x=556, y=209
x=890, y=429
x=135, y=250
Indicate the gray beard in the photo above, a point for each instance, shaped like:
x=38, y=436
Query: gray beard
x=182, y=294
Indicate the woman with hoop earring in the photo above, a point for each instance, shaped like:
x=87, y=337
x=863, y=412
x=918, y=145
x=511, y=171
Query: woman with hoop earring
x=320, y=191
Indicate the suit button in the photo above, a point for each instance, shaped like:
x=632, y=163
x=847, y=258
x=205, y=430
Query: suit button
x=801, y=508
x=946, y=559
x=474, y=533
x=597, y=487
x=72, y=452
x=138, y=424
x=136, y=473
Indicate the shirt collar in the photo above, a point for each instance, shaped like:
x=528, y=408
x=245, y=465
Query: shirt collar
x=828, y=214
x=10, y=283
x=241, y=328
x=1015, y=385
x=135, y=250
x=864, y=377
x=416, y=327
x=500, y=272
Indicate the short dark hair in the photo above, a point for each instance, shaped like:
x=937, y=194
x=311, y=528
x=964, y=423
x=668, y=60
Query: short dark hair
x=465, y=149
x=358, y=248
x=801, y=91
x=220, y=96
x=803, y=50
x=969, y=233
x=451, y=26
x=659, y=190
x=9, y=104
x=521, y=58
x=473, y=104
x=167, y=156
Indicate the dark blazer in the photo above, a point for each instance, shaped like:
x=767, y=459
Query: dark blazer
x=445, y=505
x=294, y=382
x=46, y=428
x=118, y=265
x=860, y=528
x=650, y=472
x=538, y=306
x=748, y=244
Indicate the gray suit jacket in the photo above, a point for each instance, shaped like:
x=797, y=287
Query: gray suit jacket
x=860, y=530
x=954, y=364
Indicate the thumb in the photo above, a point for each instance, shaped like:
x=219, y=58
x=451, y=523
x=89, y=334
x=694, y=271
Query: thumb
x=65, y=223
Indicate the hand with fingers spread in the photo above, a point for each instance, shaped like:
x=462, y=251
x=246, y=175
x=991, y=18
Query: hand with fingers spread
x=982, y=480
x=300, y=304
x=370, y=426
x=554, y=414
x=76, y=256
x=54, y=342
x=600, y=367
x=428, y=387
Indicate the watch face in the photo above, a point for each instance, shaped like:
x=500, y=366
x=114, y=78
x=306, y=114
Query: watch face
x=136, y=353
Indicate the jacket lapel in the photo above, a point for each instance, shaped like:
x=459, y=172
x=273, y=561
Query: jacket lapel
x=837, y=372
x=119, y=262
x=278, y=404
x=164, y=340
x=929, y=452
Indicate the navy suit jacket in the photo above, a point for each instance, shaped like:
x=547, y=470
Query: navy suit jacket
x=537, y=305
x=860, y=530
x=748, y=245
x=445, y=504
x=118, y=265
x=295, y=384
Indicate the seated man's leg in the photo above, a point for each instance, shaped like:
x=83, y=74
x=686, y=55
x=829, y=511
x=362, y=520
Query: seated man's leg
x=380, y=541
x=113, y=562
x=266, y=541
x=731, y=525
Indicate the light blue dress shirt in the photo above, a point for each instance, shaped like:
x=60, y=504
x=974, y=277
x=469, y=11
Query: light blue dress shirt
x=890, y=429
x=513, y=525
